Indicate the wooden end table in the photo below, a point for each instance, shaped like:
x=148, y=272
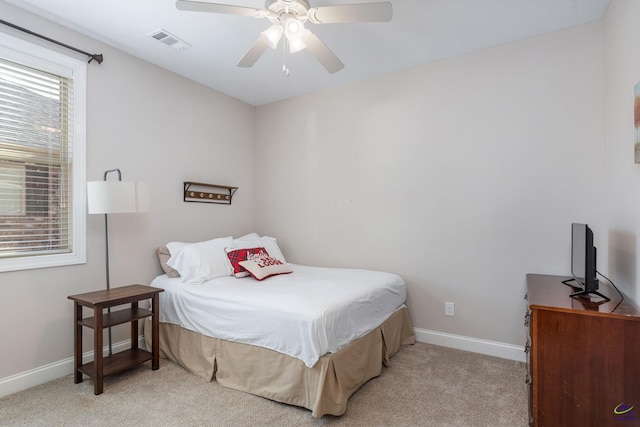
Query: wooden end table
x=118, y=362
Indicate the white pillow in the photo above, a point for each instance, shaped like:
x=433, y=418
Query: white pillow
x=268, y=243
x=249, y=236
x=174, y=247
x=199, y=262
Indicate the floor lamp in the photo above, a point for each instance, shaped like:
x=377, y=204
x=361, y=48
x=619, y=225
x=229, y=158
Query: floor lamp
x=111, y=197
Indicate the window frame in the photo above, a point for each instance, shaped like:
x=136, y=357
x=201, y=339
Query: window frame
x=42, y=58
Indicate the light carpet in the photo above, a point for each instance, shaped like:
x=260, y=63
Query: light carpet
x=425, y=385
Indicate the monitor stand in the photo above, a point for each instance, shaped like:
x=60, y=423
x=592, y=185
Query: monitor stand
x=584, y=293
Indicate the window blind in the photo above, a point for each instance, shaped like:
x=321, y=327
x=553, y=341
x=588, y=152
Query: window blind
x=36, y=112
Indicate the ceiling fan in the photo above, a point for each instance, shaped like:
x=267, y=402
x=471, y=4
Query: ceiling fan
x=289, y=18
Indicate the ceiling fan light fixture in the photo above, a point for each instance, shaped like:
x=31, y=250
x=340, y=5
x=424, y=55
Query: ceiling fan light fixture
x=293, y=29
x=272, y=35
x=296, y=45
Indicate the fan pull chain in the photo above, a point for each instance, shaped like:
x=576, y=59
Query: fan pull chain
x=285, y=47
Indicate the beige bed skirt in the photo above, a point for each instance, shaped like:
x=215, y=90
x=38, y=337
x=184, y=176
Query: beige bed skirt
x=324, y=388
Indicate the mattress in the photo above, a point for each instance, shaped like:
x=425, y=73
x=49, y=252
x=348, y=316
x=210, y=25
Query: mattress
x=306, y=314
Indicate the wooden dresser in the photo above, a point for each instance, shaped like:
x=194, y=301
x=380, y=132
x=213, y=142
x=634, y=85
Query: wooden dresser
x=583, y=358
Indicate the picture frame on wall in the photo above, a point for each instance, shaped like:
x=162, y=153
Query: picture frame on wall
x=636, y=121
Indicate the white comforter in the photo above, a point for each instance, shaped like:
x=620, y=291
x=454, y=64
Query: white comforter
x=305, y=314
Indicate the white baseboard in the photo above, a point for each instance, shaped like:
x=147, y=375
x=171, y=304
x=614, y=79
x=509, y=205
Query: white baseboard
x=476, y=345
x=43, y=374
x=52, y=371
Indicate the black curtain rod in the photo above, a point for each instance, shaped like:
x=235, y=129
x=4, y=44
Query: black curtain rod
x=98, y=56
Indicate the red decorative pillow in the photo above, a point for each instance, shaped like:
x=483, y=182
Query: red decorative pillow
x=261, y=268
x=237, y=255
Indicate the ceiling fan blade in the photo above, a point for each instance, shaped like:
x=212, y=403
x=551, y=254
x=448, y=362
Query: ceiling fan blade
x=256, y=51
x=197, y=6
x=322, y=53
x=363, y=12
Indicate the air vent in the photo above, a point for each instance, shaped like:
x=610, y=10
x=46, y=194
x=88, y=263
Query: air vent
x=169, y=39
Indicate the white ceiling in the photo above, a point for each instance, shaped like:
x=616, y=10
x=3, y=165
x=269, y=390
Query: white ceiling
x=420, y=31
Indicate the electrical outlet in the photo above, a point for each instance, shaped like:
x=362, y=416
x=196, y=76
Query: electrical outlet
x=449, y=309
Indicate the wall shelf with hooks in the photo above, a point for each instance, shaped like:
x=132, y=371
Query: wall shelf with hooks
x=199, y=192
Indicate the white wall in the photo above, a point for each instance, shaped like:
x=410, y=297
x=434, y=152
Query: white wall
x=157, y=128
x=623, y=175
x=462, y=176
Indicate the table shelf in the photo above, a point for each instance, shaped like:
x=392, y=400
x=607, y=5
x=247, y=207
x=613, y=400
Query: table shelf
x=118, y=317
x=118, y=362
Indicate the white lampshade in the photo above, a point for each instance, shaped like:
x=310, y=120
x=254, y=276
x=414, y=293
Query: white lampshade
x=272, y=35
x=108, y=197
x=296, y=45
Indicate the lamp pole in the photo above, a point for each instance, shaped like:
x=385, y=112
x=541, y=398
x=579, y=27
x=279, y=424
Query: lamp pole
x=106, y=243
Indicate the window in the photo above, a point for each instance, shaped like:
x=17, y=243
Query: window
x=42, y=164
x=12, y=197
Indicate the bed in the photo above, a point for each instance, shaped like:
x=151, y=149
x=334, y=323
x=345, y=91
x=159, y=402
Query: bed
x=306, y=336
